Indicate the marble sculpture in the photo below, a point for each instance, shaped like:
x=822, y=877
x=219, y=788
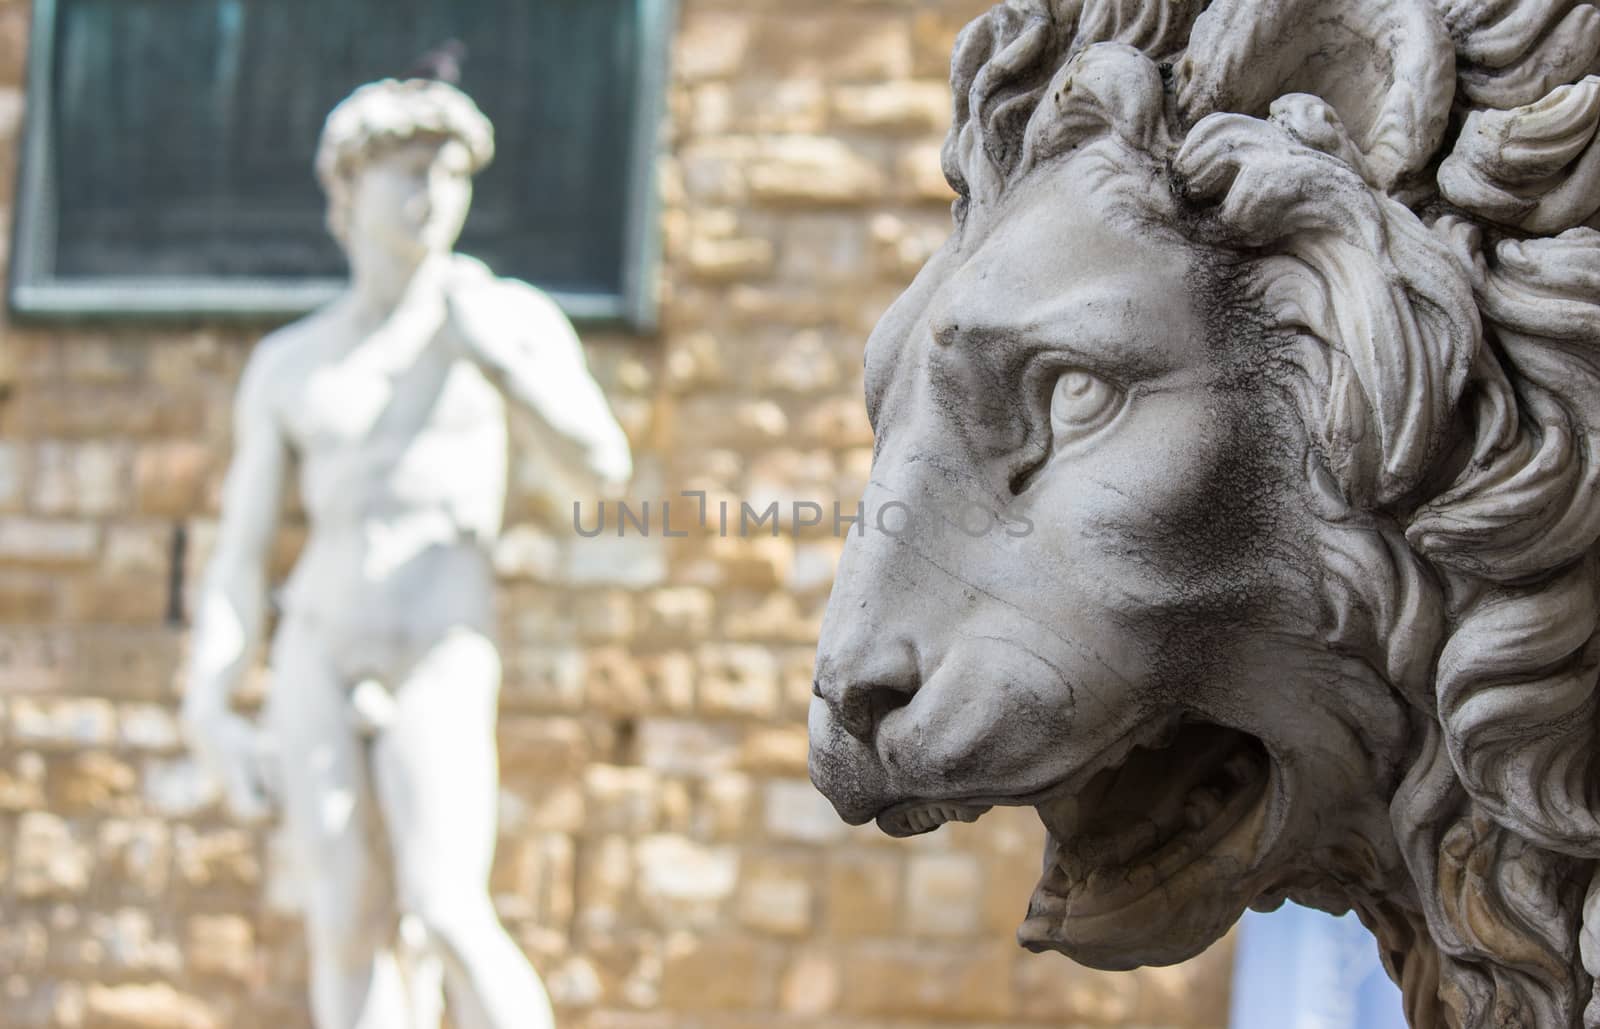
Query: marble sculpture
x=377, y=735
x=1280, y=322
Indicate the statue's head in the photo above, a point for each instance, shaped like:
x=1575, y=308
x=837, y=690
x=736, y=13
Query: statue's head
x=396, y=160
x=1269, y=339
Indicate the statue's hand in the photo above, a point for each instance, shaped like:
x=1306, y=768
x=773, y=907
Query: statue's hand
x=237, y=754
x=478, y=322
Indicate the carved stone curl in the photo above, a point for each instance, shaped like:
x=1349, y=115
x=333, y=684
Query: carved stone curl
x=1270, y=333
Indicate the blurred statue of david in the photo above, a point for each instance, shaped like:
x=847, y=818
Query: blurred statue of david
x=389, y=406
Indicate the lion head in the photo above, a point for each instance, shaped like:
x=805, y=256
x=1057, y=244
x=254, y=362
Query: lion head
x=1276, y=326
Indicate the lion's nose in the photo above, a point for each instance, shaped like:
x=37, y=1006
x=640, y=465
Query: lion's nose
x=861, y=694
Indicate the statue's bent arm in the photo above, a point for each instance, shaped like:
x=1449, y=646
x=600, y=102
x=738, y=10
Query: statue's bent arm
x=530, y=350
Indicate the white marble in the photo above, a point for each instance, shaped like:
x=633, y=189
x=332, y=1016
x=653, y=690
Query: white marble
x=376, y=743
x=1276, y=323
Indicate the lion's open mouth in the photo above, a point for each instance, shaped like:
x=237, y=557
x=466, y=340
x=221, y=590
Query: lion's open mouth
x=1145, y=814
x=1135, y=829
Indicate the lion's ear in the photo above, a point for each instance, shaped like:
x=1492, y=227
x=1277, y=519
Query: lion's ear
x=1382, y=311
x=1529, y=500
x=1386, y=66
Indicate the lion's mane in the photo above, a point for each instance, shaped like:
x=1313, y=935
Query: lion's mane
x=1407, y=190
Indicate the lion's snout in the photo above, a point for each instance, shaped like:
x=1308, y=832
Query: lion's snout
x=861, y=679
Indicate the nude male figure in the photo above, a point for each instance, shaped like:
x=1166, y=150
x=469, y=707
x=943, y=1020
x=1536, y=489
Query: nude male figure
x=380, y=717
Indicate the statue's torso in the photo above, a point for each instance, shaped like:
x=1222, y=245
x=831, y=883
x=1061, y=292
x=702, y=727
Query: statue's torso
x=401, y=451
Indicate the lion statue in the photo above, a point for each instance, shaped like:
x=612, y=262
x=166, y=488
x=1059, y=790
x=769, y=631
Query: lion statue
x=1268, y=339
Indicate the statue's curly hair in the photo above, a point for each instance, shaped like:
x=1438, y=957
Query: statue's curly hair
x=387, y=112
x=1404, y=192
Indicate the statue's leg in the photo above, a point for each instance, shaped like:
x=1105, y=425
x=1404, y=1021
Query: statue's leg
x=329, y=815
x=437, y=778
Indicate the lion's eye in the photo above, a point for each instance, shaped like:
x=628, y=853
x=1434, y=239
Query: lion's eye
x=1080, y=404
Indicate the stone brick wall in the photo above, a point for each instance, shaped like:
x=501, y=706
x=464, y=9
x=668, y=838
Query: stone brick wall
x=663, y=858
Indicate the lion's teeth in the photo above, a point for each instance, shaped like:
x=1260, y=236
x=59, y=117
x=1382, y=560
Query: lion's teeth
x=1240, y=768
x=1200, y=808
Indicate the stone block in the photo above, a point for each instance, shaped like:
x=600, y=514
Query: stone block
x=604, y=616
x=778, y=751
x=710, y=44
x=912, y=980
x=919, y=174
x=803, y=363
x=777, y=617
x=148, y=727
x=134, y=855
x=922, y=105
x=621, y=800
x=535, y=878
x=686, y=747
x=737, y=681
x=810, y=984
x=934, y=27
x=222, y=945
x=22, y=782
x=543, y=745
x=863, y=893
x=606, y=874
x=615, y=682
x=179, y=787
x=816, y=170
x=714, y=170
x=29, y=595
x=129, y=940
x=1194, y=994
x=1046, y=991
x=543, y=678
x=141, y=550
x=216, y=859
x=94, y=781
x=51, y=859
x=78, y=478
x=726, y=809
x=63, y=722
x=12, y=104
x=720, y=974
x=679, y=613
x=632, y=561
x=683, y=884
x=944, y=894
x=725, y=260
x=758, y=106
x=669, y=678
x=795, y=812
x=38, y=541
x=13, y=476
x=147, y=1006
x=865, y=46
x=776, y=896
x=836, y=423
